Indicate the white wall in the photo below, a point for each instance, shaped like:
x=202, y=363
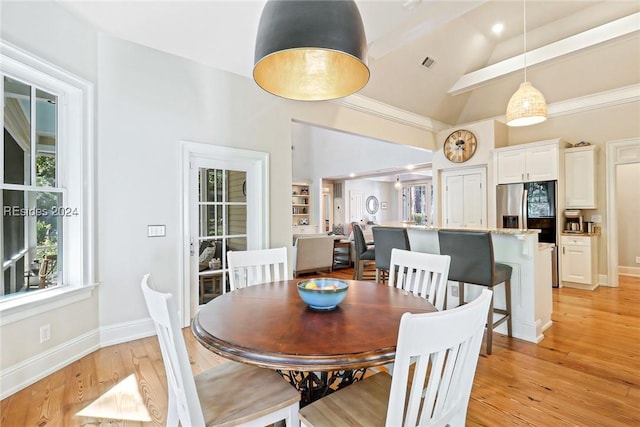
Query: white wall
x=48, y=31
x=628, y=198
x=327, y=153
x=323, y=153
x=383, y=191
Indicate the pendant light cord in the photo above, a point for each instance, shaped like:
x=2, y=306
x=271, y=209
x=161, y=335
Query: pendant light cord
x=524, y=8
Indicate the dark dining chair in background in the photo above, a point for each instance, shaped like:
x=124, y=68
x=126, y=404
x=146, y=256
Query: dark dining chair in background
x=364, y=254
x=473, y=262
x=386, y=239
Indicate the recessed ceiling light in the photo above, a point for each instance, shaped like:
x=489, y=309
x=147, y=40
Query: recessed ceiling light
x=497, y=28
x=352, y=175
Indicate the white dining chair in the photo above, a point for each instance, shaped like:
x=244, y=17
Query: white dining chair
x=252, y=267
x=420, y=273
x=445, y=346
x=228, y=394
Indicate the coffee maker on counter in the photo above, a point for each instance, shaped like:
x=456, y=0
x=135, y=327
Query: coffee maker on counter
x=573, y=221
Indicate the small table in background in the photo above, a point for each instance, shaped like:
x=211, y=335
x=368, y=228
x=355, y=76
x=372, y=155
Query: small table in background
x=341, y=254
x=210, y=280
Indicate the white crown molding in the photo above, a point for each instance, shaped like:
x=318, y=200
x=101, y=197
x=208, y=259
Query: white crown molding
x=594, y=101
x=389, y=112
x=581, y=104
x=590, y=38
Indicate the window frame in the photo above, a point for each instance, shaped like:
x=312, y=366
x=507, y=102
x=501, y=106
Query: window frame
x=75, y=177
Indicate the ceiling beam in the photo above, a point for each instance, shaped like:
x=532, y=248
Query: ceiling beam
x=601, y=34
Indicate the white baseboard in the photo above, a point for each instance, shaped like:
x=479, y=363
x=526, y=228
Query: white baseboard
x=126, y=331
x=603, y=280
x=23, y=374
x=18, y=376
x=629, y=271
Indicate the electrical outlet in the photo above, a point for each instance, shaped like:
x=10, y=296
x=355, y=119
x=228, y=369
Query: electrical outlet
x=45, y=333
x=596, y=218
x=638, y=260
x=454, y=291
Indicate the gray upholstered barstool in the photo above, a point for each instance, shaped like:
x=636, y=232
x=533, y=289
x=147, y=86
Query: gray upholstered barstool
x=363, y=253
x=385, y=239
x=472, y=262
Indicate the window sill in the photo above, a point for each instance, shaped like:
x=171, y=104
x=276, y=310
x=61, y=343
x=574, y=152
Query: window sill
x=22, y=308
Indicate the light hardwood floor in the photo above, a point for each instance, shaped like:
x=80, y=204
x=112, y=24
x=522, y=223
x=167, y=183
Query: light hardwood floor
x=586, y=372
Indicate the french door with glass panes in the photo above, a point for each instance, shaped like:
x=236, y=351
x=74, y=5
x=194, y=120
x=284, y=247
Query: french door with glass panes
x=226, y=212
x=222, y=226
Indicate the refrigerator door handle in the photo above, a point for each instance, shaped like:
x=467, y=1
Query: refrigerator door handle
x=525, y=218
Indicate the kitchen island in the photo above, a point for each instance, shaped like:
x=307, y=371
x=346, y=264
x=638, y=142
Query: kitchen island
x=531, y=295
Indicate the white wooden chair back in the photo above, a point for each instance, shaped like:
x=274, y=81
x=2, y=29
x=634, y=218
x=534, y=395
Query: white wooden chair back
x=184, y=404
x=443, y=346
x=252, y=267
x=420, y=273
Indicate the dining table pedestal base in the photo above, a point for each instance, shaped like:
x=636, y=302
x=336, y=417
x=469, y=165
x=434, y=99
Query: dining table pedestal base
x=314, y=385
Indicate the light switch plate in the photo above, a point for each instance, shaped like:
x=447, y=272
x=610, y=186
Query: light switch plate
x=596, y=219
x=156, y=230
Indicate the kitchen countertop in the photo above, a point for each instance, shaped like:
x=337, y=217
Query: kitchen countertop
x=514, y=231
x=564, y=233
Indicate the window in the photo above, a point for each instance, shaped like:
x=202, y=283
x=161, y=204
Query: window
x=416, y=203
x=31, y=198
x=45, y=179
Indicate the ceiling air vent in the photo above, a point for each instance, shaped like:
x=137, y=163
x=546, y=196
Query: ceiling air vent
x=428, y=62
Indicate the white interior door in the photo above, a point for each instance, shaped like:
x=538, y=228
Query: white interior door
x=224, y=208
x=355, y=207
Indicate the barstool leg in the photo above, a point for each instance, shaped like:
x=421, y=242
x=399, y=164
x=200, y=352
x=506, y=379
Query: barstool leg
x=490, y=325
x=507, y=295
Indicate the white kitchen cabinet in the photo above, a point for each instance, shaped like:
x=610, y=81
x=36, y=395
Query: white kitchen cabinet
x=528, y=163
x=580, y=177
x=464, y=199
x=579, y=260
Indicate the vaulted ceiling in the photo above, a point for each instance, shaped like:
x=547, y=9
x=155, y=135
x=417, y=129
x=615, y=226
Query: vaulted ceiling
x=579, y=51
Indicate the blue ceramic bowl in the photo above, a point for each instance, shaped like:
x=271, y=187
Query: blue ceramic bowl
x=322, y=294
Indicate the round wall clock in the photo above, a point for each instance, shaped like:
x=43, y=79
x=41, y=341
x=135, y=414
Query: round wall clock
x=460, y=146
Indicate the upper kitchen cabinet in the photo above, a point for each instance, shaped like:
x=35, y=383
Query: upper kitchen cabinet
x=464, y=198
x=580, y=177
x=537, y=161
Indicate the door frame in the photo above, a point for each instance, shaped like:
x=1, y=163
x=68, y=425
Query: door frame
x=257, y=197
x=619, y=152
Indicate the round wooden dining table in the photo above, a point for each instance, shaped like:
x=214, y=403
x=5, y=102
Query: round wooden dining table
x=317, y=351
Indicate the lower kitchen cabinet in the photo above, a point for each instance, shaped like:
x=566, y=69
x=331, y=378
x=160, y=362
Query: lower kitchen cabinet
x=579, y=261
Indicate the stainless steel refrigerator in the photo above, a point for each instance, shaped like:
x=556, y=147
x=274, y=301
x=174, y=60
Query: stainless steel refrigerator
x=530, y=205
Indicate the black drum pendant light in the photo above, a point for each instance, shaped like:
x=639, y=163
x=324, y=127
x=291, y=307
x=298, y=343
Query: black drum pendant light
x=311, y=50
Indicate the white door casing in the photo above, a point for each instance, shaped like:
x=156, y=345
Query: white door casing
x=618, y=152
x=193, y=156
